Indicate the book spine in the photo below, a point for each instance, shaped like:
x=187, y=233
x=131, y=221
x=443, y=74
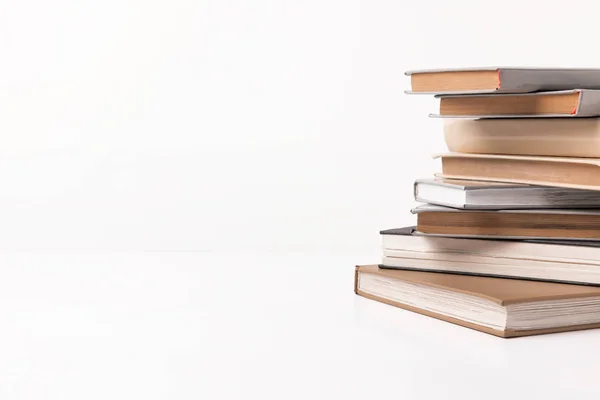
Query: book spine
x=589, y=103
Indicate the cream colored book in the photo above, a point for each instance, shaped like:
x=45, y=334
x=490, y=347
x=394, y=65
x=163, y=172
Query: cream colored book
x=559, y=137
x=555, y=251
x=551, y=261
x=501, y=80
x=569, y=172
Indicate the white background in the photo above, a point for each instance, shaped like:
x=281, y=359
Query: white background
x=264, y=144
x=260, y=125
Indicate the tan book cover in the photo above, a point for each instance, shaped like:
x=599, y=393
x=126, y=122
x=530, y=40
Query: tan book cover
x=501, y=80
x=557, y=137
x=577, y=173
x=567, y=103
x=550, y=224
x=510, y=295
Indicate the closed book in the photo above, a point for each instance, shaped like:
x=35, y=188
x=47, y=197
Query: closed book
x=495, y=195
x=567, y=103
x=550, y=261
x=501, y=80
x=557, y=137
x=568, y=172
x=560, y=224
x=501, y=307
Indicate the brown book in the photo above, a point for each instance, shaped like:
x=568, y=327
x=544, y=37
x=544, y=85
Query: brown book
x=509, y=224
x=502, y=80
x=501, y=307
x=569, y=103
x=578, y=173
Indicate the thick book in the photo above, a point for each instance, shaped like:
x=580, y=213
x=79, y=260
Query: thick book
x=550, y=261
x=567, y=103
x=501, y=80
x=501, y=307
x=568, y=172
x=496, y=196
x=556, y=137
x=509, y=224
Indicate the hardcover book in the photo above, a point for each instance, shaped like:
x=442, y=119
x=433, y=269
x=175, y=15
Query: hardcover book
x=496, y=196
x=501, y=307
x=550, y=261
x=568, y=172
x=501, y=80
x=509, y=224
x=568, y=103
x=556, y=137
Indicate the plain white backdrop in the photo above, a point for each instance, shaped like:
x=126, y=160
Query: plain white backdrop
x=263, y=125
x=186, y=185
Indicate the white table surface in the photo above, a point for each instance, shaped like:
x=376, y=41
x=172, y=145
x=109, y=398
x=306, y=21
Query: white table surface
x=256, y=326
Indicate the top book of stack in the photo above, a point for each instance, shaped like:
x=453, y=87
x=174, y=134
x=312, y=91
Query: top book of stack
x=501, y=80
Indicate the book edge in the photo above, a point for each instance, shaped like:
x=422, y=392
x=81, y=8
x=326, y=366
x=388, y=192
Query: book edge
x=508, y=333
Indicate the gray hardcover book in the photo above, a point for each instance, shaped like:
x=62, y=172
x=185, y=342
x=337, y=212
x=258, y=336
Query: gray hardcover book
x=501, y=80
x=565, y=103
x=464, y=194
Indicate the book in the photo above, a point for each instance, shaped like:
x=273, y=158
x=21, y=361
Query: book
x=568, y=172
x=549, y=261
x=502, y=80
x=513, y=224
x=543, y=249
x=495, y=195
x=579, y=251
x=558, y=137
x=501, y=307
x=567, y=103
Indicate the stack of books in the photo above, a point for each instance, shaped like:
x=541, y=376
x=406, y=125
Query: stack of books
x=507, y=239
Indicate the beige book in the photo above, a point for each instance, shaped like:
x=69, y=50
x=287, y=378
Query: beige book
x=466, y=264
x=567, y=103
x=559, y=137
x=578, y=173
x=555, y=251
x=502, y=80
x=555, y=261
x=501, y=307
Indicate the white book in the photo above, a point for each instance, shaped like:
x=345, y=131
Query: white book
x=465, y=194
x=551, y=261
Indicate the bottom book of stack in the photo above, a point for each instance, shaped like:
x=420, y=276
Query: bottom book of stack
x=498, y=306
